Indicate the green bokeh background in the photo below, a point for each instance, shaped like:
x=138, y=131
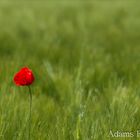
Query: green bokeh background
x=85, y=56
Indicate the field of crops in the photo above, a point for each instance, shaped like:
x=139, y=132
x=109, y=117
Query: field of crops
x=85, y=56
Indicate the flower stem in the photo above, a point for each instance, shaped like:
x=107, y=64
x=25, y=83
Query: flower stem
x=30, y=111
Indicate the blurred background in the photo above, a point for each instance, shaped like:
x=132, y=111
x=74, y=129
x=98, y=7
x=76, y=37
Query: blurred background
x=101, y=35
x=80, y=52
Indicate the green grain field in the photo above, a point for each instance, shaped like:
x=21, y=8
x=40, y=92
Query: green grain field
x=85, y=56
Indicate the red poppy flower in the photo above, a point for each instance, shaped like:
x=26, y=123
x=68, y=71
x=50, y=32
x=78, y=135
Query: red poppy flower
x=24, y=77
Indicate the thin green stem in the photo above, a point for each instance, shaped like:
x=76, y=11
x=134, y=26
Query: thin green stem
x=30, y=111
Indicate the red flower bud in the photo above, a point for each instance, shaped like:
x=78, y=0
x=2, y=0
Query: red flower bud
x=24, y=77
